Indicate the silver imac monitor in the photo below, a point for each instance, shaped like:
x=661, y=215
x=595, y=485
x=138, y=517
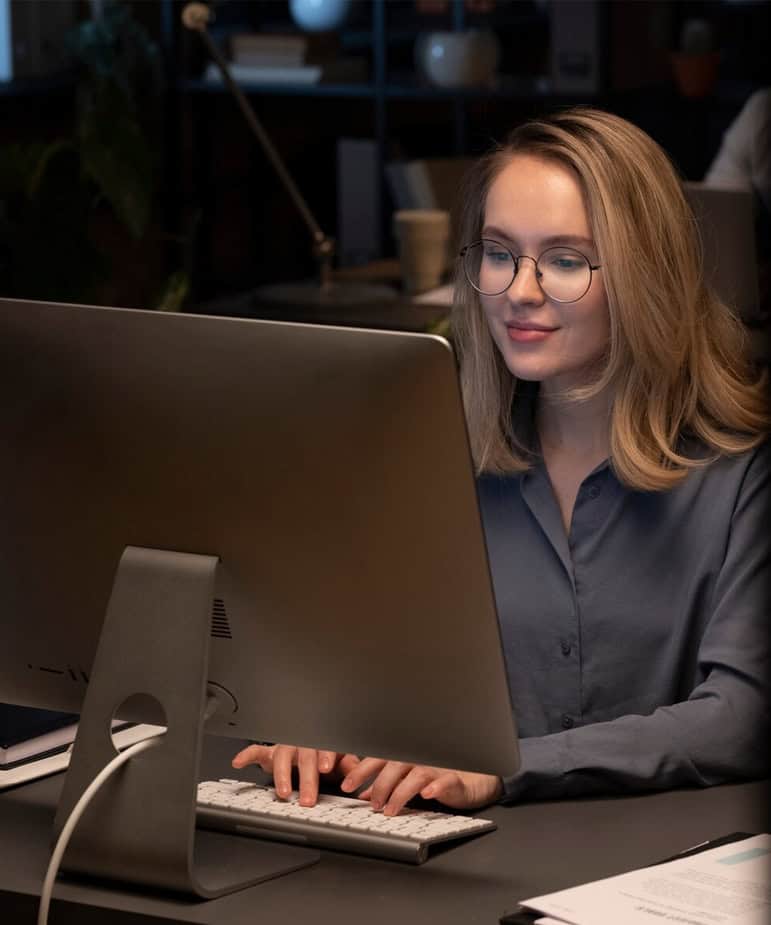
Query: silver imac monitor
x=280, y=516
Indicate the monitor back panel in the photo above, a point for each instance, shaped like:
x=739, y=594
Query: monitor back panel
x=329, y=470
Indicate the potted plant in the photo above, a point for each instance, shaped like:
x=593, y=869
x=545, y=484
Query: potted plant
x=79, y=217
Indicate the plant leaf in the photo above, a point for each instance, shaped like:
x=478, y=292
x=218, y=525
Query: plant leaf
x=115, y=155
x=174, y=292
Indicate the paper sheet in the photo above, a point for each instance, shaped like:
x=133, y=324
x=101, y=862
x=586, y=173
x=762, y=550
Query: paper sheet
x=729, y=885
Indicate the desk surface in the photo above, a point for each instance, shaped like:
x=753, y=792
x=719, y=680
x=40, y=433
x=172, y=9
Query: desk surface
x=537, y=848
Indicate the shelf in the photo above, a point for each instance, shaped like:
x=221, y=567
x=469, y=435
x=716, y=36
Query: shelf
x=508, y=87
x=505, y=87
x=355, y=91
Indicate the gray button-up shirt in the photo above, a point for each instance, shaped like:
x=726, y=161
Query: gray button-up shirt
x=637, y=646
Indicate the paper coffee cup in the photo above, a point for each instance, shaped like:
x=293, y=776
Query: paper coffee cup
x=422, y=236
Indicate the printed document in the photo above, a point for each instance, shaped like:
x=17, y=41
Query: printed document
x=728, y=885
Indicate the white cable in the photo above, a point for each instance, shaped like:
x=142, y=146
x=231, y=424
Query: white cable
x=74, y=818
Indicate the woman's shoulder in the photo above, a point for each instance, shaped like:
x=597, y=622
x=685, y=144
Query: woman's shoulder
x=694, y=448
x=721, y=470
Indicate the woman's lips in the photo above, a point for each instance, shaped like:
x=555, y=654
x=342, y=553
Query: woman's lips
x=528, y=333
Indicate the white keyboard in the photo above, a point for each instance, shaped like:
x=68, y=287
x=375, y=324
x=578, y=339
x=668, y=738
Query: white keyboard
x=337, y=822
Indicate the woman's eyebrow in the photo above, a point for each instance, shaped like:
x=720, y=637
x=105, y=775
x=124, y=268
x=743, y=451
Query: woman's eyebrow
x=495, y=232
x=567, y=239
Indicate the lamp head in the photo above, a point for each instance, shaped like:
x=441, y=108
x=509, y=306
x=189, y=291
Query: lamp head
x=196, y=16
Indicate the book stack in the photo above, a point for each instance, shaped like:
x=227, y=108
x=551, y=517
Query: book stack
x=274, y=58
x=432, y=183
x=27, y=734
x=263, y=50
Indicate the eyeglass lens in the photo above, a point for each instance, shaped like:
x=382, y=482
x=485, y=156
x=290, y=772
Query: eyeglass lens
x=564, y=274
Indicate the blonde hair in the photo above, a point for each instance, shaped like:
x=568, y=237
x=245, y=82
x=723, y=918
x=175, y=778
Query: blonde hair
x=677, y=363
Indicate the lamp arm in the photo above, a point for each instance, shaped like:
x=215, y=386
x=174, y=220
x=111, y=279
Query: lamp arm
x=195, y=17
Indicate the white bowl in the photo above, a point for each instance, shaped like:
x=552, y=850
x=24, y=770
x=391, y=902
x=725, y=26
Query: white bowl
x=458, y=59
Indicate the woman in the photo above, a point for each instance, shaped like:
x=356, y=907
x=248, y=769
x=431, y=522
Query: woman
x=619, y=436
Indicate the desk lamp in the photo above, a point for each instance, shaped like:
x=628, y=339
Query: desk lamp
x=323, y=291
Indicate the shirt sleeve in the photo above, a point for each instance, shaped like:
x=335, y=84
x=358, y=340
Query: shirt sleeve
x=721, y=731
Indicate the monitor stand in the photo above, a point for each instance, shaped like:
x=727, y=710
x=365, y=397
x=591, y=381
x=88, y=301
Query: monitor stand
x=140, y=827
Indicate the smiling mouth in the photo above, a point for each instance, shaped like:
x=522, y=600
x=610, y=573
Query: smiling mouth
x=528, y=333
x=524, y=326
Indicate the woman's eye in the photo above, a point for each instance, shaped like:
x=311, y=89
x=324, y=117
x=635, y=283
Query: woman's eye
x=498, y=256
x=565, y=262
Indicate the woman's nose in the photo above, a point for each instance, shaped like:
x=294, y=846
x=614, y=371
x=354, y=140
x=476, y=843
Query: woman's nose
x=525, y=287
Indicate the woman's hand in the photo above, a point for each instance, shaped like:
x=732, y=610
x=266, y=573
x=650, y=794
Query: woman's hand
x=394, y=783
x=391, y=784
x=279, y=760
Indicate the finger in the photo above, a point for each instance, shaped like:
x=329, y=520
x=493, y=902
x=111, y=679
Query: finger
x=464, y=790
x=327, y=761
x=366, y=769
x=366, y=794
x=448, y=788
x=387, y=781
x=410, y=786
x=254, y=754
x=347, y=763
x=283, y=758
x=308, y=766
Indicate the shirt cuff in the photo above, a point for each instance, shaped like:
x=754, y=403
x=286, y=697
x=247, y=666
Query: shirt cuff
x=540, y=761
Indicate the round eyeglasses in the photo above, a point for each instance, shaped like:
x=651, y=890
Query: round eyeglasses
x=563, y=273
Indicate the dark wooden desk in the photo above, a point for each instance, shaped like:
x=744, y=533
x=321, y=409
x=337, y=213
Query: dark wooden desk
x=537, y=848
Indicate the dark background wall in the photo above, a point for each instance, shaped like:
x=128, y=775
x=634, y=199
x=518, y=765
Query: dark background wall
x=220, y=216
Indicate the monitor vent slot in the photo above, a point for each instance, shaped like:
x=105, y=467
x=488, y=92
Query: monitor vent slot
x=220, y=627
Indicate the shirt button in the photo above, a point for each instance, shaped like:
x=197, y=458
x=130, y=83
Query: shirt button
x=567, y=721
x=565, y=647
x=594, y=492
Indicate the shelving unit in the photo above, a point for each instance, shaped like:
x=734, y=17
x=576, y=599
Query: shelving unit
x=248, y=227
x=384, y=84
x=386, y=30
x=406, y=117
